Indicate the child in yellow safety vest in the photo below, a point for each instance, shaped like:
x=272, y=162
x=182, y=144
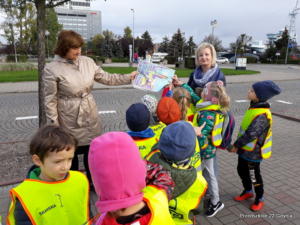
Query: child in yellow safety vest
x=211, y=112
x=254, y=141
x=130, y=190
x=174, y=151
x=51, y=194
x=155, y=124
x=138, y=119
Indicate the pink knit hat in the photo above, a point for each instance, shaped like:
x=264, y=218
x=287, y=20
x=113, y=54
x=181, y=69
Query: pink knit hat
x=117, y=170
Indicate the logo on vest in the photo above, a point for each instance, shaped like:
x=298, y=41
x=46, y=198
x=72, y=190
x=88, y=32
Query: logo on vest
x=47, y=209
x=142, y=147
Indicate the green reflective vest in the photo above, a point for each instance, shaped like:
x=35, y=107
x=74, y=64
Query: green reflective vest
x=250, y=115
x=53, y=203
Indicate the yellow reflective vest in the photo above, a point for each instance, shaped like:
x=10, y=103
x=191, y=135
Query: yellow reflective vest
x=181, y=206
x=190, y=113
x=53, y=203
x=250, y=115
x=216, y=135
x=157, y=202
x=158, y=128
x=145, y=145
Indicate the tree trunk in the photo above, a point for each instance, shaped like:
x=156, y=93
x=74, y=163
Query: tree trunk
x=41, y=24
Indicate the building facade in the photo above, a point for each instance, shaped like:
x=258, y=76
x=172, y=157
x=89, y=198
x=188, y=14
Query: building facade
x=77, y=16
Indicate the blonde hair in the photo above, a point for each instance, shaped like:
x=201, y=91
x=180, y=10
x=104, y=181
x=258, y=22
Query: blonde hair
x=218, y=91
x=183, y=98
x=212, y=49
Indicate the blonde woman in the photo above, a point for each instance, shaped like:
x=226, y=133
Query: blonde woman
x=206, y=67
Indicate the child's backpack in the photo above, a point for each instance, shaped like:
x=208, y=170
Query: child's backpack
x=227, y=131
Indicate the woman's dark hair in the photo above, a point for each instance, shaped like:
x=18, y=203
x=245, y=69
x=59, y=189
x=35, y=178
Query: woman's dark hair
x=51, y=138
x=67, y=39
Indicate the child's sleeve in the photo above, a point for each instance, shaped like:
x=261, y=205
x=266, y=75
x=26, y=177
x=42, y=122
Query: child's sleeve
x=21, y=218
x=208, y=118
x=195, y=97
x=257, y=128
x=160, y=177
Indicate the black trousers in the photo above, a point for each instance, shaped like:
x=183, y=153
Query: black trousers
x=75, y=162
x=249, y=173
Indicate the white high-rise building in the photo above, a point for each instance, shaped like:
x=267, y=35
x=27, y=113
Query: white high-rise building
x=77, y=16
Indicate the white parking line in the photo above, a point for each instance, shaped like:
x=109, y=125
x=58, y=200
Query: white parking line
x=106, y=112
x=35, y=117
x=242, y=100
x=26, y=117
x=284, y=102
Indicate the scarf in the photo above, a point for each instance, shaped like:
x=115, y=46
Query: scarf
x=201, y=78
x=143, y=134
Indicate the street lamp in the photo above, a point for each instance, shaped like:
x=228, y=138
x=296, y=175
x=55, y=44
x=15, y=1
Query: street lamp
x=132, y=34
x=47, y=34
x=213, y=24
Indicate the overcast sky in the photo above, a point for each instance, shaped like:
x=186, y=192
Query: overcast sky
x=163, y=17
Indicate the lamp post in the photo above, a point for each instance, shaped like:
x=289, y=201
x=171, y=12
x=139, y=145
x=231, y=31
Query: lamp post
x=213, y=24
x=182, y=45
x=47, y=44
x=132, y=10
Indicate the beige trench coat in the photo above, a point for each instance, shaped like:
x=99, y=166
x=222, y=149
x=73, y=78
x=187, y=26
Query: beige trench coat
x=68, y=99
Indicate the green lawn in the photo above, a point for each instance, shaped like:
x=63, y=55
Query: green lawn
x=31, y=75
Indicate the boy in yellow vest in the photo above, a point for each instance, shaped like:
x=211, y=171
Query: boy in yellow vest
x=138, y=119
x=254, y=141
x=51, y=193
x=174, y=151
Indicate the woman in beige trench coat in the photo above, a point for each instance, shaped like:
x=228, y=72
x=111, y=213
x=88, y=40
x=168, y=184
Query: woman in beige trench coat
x=68, y=81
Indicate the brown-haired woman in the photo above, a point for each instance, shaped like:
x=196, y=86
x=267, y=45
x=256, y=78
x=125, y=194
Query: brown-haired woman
x=68, y=80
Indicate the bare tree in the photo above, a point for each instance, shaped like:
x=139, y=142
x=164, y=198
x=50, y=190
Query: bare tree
x=215, y=41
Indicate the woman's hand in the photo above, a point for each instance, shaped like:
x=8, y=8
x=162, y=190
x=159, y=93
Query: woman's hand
x=133, y=75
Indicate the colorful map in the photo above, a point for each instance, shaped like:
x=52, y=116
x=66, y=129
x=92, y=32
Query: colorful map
x=152, y=77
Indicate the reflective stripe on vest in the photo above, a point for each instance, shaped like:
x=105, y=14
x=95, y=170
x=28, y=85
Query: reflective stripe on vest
x=216, y=135
x=181, y=206
x=250, y=115
x=145, y=145
x=53, y=203
x=158, y=128
x=157, y=202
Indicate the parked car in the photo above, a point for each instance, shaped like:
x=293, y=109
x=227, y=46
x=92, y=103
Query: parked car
x=222, y=60
x=158, y=57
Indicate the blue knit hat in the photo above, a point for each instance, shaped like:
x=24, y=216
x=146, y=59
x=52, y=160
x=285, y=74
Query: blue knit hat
x=266, y=89
x=177, y=141
x=137, y=117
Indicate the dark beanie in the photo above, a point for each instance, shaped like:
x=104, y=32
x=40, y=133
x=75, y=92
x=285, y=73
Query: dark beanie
x=265, y=90
x=177, y=141
x=137, y=117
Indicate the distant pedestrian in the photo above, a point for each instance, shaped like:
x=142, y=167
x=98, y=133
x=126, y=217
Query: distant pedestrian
x=254, y=141
x=69, y=80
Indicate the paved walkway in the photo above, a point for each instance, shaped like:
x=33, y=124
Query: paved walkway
x=281, y=173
